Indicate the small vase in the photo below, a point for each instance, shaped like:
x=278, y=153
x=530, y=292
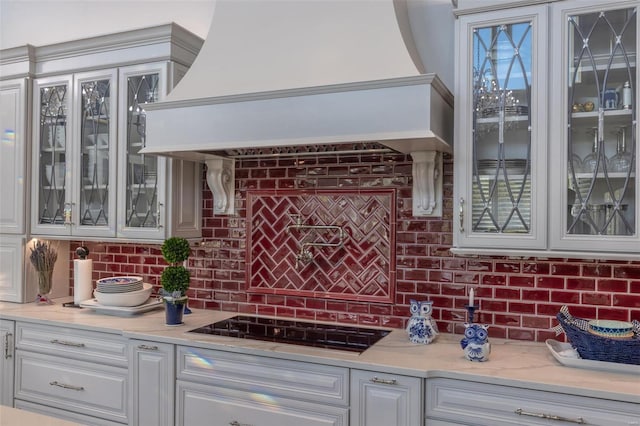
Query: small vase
x=174, y=309
x=45, y=281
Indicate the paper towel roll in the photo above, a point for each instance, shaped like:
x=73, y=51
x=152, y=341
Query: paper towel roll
x=82, y=285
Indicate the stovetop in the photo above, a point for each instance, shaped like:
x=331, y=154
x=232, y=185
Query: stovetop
x=329, y=336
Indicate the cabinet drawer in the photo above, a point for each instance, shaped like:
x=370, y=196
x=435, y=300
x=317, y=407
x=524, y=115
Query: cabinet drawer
x=223, y=407
x=78, y=386
x=492, y=405
x=291, y=379
x=72, y=343
x=76, y=418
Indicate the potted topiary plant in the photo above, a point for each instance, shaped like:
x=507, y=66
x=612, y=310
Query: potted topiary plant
x=175, y=278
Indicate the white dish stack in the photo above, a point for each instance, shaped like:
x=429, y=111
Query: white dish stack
x=122, y=291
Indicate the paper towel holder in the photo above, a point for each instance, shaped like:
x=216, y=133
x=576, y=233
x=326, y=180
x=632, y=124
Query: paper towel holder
x=82, y=252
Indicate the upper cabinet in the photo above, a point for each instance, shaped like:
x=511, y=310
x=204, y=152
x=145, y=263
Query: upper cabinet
x=546, y=152
x=595, y=126
x=501, y=115
x=14, y=101
x=16, y=67
x=89, y=179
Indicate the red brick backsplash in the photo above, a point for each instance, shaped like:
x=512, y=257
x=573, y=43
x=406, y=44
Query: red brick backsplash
x=519, y=298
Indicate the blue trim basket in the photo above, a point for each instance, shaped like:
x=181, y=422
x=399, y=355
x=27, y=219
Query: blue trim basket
x=599, y=348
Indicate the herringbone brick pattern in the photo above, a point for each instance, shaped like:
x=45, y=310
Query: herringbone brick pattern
x=358, y=270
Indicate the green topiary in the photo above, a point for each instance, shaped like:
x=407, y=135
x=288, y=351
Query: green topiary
x=175, y=250
x=175, y=278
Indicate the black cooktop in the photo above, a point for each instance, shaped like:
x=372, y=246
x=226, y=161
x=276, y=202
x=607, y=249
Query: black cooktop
x=329, y=336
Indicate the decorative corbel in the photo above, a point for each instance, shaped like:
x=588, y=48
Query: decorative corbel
x=427, y=183
x=221, y=178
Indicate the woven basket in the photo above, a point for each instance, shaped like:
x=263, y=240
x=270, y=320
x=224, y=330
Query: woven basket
x=599, y=348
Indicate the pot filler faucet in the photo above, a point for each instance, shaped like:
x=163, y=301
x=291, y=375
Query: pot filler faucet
x=304, y=255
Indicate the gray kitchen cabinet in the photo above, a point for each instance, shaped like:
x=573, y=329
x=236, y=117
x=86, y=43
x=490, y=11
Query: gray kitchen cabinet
x=501, y=110
x=151, y=383
x=379, y=399
x=89, y=179
x=594, y=126
x=253, y=390
x=547, y=153
x=15, y=106
x=451, y=401
x=65, y=370
x=14, y=120
x=7, y=338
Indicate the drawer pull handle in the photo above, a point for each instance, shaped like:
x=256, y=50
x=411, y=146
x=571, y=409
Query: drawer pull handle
x=62, y=385
x=148, y=348
x=7, y=345
x=237, y=423
x=579, y=420
x=384, y=381
x=64, y=343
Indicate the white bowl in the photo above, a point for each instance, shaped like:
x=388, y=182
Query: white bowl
x=131, y=298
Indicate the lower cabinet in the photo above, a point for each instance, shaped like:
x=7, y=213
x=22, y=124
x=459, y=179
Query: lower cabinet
x=385, y=399
x=151, y=383
x=6, y=362
x=225, y=388
x=63, y=414
x=450, y=401
x=70, y=373
x=218, y=406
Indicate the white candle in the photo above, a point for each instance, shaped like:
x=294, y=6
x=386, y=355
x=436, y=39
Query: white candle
x=471, y=297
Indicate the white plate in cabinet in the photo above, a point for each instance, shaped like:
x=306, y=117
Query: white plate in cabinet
x=72, y=343
x=494, y=405
x=92, y=389
x=276, y=377
x=379, y=399
x=199, y=404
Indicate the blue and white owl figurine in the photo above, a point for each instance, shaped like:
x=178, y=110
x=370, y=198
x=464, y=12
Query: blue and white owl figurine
x=421, y=327
x=475, y=342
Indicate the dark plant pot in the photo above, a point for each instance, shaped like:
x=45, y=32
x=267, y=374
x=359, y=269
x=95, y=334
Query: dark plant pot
x=173, y=312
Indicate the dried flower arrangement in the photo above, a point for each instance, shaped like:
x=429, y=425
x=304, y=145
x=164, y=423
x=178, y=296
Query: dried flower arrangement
x=43, y=258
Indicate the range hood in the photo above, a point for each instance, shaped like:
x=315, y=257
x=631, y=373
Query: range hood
x=304, y=73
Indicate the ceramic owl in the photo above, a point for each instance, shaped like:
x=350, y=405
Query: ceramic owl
x=421, y=327
x=475, y=342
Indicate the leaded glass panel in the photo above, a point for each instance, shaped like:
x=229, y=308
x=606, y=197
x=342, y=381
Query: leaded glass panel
x=601, y=130
x=142, y=170
x=95, y=142
x=52, y=151
x=502, y=63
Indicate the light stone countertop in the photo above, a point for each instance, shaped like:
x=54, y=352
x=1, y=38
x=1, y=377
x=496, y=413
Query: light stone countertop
x=513, y=363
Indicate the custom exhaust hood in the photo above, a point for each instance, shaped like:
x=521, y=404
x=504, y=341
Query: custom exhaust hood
x=292, y=76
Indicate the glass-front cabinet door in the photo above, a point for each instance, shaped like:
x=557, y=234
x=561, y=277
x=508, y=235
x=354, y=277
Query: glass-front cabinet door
x=596, y=99
x=51, y=194
x=501, y=143
x=74, y=163
x=142, y=187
